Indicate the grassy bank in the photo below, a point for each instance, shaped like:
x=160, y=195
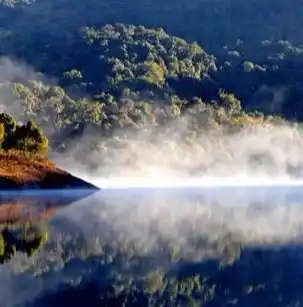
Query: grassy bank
x=22, y=170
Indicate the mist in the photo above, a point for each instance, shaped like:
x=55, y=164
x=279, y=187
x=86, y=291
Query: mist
x=201, y=218
x=152, y=157
x=167, y=226
x=12, y=72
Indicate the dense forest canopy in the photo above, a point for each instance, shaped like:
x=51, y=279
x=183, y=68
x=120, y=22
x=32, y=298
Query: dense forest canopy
x=141, y=50
x=96, y=48
x=133, y=76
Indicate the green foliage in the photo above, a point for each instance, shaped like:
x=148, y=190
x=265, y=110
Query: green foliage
x=108, y=58
x=138, y=57
x=126, y=76
x=33, y=246
x=27, y=137
x=28, y=239
x=231, y=104
x=155, y=281
x=73, y=74
x=9, y=123
x=63, y=117
x=2, y=133
x=134, y=273
x=2, y=246
x=248, y=66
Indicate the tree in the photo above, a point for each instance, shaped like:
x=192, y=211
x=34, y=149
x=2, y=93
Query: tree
x=248, y=66
x=9, y=123
x=29, y=137
x=230, y=102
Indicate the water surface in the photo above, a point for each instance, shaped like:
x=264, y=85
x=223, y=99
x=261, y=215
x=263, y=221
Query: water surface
x=156, y=247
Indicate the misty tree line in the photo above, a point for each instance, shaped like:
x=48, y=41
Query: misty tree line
x=135, y=77
x=128, y=76
x=256, y=55
x=63, y=118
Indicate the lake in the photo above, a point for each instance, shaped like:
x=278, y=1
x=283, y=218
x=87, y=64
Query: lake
x=152, y=247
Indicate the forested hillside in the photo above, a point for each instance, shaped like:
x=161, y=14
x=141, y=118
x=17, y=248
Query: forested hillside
x=111, y=61
x=123, y=67
x=212, y=23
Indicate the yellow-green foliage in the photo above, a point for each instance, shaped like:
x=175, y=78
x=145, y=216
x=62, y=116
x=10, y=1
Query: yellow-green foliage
x=154, y=72
x=35, y=244
x=26, y=239
x=27, y=137
x=245, y=120
x=155, y=281
x=2, y=133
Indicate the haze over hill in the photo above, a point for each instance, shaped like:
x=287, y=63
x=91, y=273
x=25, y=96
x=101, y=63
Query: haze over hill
x=115, y=66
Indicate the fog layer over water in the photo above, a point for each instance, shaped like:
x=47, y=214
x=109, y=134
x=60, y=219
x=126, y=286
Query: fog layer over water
x=156, y=157
x=165, y=225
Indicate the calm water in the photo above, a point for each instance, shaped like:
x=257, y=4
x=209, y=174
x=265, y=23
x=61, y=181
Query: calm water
x=211, y=247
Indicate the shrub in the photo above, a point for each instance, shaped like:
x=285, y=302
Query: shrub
x=27, y=137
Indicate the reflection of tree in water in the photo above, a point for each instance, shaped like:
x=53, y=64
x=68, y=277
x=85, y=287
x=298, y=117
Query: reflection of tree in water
x=27, y=240
x=265, y=277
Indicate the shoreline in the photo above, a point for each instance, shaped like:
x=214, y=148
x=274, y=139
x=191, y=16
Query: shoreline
x=22, y=171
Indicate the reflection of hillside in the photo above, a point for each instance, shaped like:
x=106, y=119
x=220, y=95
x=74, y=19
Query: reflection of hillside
x=25, y=240
x=260, y=277
x=16, y=208
x=170, y=248
x=15, y=212
x=20, y=217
